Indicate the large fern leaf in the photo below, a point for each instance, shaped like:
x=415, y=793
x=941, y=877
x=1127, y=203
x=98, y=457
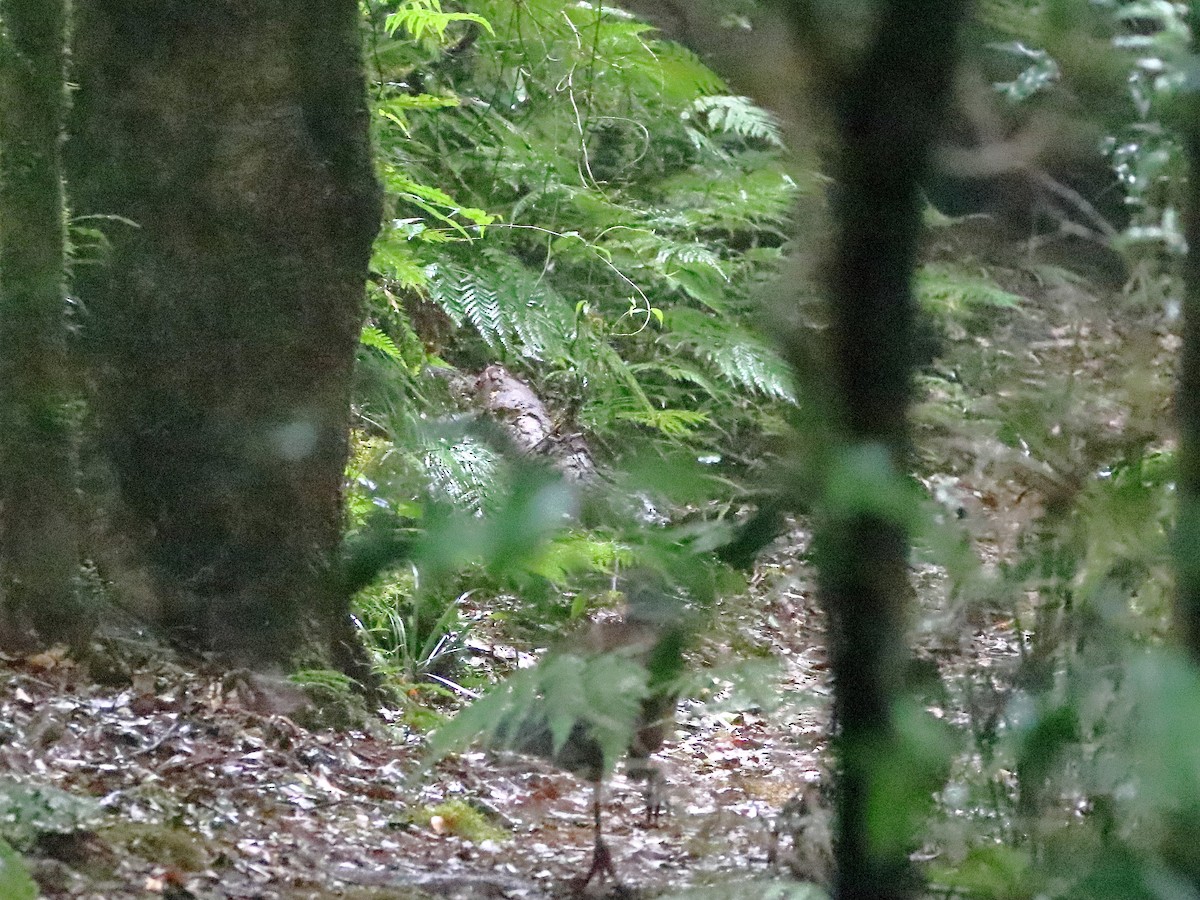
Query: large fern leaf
x=738, y=355
x=513, y=309
x=465, y=472
x=422, y=18
x=738, y=115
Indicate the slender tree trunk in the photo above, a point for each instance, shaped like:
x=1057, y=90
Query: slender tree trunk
x=1187, y=398
x=39, y=562
x=222, y=326
x=885, y=109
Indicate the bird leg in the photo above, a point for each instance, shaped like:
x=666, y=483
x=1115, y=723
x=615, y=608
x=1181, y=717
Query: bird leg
x=653, y=794
x=653, y=791
x=602, y=861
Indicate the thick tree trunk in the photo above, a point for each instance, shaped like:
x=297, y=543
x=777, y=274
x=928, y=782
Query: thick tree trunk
x=222, y=326
x=885, y=108
x=1187, y=398
x=39, y=564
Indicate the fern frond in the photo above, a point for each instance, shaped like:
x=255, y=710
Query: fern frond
x=954, y=292
x=396, y=107
x=511, y=307
x=625, y=169
x=729, y=114
x=466, y=300
x=678, y=371
x=376, y=339
x=434, y=201
x=687, y=265
x=738, y=355
x=466, y=472
x=761, y=198
x=421, y=18
x=569, y=554
x=682, y=73
x=674, y=423
x=689, y=254
x=602, y=694
x=395, y=257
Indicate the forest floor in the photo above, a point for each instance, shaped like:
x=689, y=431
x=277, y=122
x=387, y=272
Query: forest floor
x=199, y=790
x=185, y=784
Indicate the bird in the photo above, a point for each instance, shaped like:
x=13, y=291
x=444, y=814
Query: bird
x=612, y=691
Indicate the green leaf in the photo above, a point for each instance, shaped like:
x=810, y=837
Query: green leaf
x=394, y=256
x=396, y=107
x=995, y=872
x=27, y=811
x=513, y=308
x=423, y=18
x=682, y=73
x=376, y=339
x=738, y=115
x=675, y=423
x=955, y=292
x=15, y=880
x=738, y=355
x=440, y=205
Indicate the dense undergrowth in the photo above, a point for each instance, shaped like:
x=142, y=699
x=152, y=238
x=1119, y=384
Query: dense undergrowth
x=589, y=205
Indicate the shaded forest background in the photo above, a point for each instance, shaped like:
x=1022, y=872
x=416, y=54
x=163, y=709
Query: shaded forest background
x=365, y=339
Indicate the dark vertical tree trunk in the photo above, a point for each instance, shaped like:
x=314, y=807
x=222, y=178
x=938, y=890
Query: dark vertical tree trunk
x=39, y=563
x=1187, y=399
x=221, y=328
x=885, y=109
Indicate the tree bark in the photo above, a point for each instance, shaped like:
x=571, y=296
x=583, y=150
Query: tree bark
x=222, y=325
x=1187, y=398
x=885, y=108
x=39, y=564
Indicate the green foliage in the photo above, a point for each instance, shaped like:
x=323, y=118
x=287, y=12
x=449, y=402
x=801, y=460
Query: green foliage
x=466, y=472
x=739, y=355
x=574, y=197
x=1124, y=66
x=951, y=292
x=459, y=818
x=424, y=18
x=513, y=309
x=377, y=340
x=614, y=167
x=997, y=872
x=413, y=634
x=15, y=881
x=600, y=693
x=29, y=811
x=591, y=205
x=1058, y=745
x=333, y=682
x=739, y=116
x=573, y=554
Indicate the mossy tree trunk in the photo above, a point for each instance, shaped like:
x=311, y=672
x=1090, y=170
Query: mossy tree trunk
x=885, y=107
x=39, y=563
x=1187, y=398
x=221, y=327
